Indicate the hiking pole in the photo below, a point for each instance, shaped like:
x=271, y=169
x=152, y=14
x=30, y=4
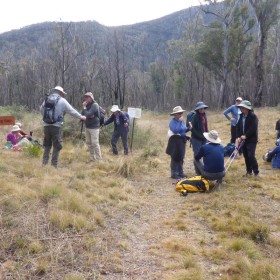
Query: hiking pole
x=233, y=155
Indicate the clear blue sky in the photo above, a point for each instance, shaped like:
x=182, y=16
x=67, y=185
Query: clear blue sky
x=19, y=13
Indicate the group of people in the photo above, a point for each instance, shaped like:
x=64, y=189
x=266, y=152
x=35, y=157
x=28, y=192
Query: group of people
x=207, y=149
x=90, y=115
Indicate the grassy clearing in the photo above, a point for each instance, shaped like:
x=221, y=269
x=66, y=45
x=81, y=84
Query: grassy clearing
x=121, y=218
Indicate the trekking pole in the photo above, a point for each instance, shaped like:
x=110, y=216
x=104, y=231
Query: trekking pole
x=233, y=155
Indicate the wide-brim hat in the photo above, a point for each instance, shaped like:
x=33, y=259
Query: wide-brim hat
x=200, y=105
x=18, y=124
x=245, y=104
x=212, y=136
x=60, y=89
x=176, y=110
x=115, y=108
x=90, y=95
x=15, y=128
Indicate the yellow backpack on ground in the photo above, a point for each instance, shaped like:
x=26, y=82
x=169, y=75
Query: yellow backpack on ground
x=191, y=185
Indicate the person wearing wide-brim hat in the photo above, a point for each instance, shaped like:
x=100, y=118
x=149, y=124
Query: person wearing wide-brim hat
x=199, y=125
x=212, y=153
x=121, y=128
x=14, y=135
x=247, y=131
x=176, y=146
x=53, y=123
x=232, y=114
x=92, y=124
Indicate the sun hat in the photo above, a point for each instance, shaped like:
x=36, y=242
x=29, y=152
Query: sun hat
x=200, y=105
x=15, y=128
x=60, y=89
x=90, y=95
x=176, y=110
x=115, y=108
x=245, y=104
x=238, y=99
x=212, y=136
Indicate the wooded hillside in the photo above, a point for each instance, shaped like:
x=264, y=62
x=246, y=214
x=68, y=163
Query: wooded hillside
x=213, y=53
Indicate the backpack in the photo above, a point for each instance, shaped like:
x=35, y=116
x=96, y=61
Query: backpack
x=102, y=114
x=191, y=185
x=277, y=125
x=189, y=117
x=49, y=109
x=229, y=149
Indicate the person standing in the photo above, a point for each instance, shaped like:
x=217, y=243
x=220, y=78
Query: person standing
x=92, y=123
x=53, y=130
x=234, y=111
x=199, y=126
x=176, y=146
x=121, y=124
x=247, y=131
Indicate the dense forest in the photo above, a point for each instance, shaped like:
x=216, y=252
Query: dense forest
x=214, y=52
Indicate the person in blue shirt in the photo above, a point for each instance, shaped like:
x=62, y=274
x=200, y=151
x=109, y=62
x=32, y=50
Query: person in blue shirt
x=176, y=146
x=232, y=114
x=275, y=155
x=209, y=162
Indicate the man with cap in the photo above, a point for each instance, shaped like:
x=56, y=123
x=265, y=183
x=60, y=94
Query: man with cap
x=92, y=123
x=53, y=131
x=121, y=124
x=234, y=111
x=199, y=126
x=247, y=131
x=212, y=153
x=176, y=146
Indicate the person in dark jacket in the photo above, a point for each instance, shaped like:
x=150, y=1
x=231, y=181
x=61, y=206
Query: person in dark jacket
x=274, y=155
x=92, y=123
x=212, y=153
x=199, y=126
x=247, y=131
x=176, y=146
x=121, y=128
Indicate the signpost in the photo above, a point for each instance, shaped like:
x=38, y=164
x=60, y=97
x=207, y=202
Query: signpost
x=134, y=113
x=7, y=120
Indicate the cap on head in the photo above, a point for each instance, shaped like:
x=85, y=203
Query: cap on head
x=15, y=128
x=245, y=104
x=90, y=95
x=200, y=105
x=212, y=136
x=238, y=99
x=60, y=89
x=115, y=108
x=176, y=110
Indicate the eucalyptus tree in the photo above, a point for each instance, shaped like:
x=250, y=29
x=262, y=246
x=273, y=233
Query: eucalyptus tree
x=266, y=13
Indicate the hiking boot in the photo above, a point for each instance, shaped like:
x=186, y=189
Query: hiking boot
x=247, y=174
x=176, y=177
x=183, y=175
x=256, y=174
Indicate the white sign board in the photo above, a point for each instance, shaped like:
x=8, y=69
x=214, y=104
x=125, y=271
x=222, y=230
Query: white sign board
x=134, y=112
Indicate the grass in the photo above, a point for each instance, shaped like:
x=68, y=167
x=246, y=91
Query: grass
x=122, y=218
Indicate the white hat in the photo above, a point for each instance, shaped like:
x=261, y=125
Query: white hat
x=18, y=124
x=15, y=128
x=245, y=104
x=60, y=89
x=238, y=99
x=212, y=136
x=176, y=110
x=115, y=108
x=90, y=95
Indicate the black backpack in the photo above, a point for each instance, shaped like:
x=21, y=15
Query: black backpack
x=49, y=109
x=102, y=114
x=189, y=117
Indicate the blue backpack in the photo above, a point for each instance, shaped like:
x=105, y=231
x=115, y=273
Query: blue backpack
x=229, y=149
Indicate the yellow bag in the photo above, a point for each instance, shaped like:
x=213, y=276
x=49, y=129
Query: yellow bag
x=191, y=185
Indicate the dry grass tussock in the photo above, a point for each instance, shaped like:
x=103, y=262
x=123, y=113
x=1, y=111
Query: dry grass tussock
x=121, y=218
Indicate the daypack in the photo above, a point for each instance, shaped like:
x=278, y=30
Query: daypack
x=191, y=185
x=229, y=149
x=189, y=117
x=102, y=114
x=49, y=109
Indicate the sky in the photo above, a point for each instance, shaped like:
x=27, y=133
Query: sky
x=20, y=13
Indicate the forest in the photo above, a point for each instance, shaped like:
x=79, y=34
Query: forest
x=213, y=52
